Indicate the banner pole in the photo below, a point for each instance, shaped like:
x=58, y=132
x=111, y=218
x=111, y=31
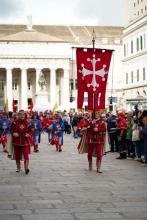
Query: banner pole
x=93, y=44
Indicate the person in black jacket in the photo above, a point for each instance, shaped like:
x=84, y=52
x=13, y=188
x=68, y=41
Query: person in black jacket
x=75, y=122
x=112, y=131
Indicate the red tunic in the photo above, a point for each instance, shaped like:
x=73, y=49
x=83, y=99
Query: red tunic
x=97, y=132
x=95, y=139
x=22, y=127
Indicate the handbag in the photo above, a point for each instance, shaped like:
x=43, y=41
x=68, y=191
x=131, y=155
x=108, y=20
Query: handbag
x=136, y=134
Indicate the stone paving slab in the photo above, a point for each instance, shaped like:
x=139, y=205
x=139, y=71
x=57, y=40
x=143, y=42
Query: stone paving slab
x=60, y=186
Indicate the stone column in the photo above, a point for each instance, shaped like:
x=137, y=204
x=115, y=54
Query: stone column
x=9, y=97
x=24, y=90
x=37, y=77
x=53, y=87
x=66, y=89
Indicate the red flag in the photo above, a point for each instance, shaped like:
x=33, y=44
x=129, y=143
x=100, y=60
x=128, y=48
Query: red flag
x=92, y=73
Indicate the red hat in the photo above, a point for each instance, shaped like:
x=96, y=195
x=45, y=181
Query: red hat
x=121, y=114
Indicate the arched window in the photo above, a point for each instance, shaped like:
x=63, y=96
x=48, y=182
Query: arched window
x=144, y=75
x=141, y=43
x=131, y=46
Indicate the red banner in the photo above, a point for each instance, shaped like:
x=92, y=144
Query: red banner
x=92, y=74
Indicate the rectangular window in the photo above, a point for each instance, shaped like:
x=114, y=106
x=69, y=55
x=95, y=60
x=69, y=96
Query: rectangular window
x=141, y=43
x=126, y=78
x=144, y=76
x=124, y=50
x=131, y=46
x=132, y=76
x=137, y=75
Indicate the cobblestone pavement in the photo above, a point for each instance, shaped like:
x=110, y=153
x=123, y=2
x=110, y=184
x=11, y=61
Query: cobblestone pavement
x=60, y=187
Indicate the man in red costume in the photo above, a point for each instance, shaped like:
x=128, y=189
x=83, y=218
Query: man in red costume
x=21, y=131
x=92, y=139
x=95, y=139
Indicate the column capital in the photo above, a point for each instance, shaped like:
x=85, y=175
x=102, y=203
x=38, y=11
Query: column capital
x=53, y=68
x=23, y=69
x=38, y=69
x=9, y=69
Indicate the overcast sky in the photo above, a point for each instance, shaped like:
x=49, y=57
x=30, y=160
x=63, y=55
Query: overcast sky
x=64, y=12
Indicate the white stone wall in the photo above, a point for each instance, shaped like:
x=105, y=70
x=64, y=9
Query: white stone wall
x=135, y=61
x=133, y=10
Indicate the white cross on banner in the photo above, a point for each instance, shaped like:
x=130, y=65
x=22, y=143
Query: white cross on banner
x=92, y=73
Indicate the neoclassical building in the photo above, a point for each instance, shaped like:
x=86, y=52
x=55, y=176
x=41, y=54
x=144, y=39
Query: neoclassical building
x=27, y=50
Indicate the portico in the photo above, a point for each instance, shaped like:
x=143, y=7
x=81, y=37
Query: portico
x=21, y=85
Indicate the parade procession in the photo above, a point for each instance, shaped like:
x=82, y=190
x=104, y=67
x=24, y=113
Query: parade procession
x=99, y=132
x=73, y=110
x=23, y=132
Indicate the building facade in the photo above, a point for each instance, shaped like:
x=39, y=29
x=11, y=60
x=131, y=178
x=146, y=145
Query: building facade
x=134, y=90
x=26, y=51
